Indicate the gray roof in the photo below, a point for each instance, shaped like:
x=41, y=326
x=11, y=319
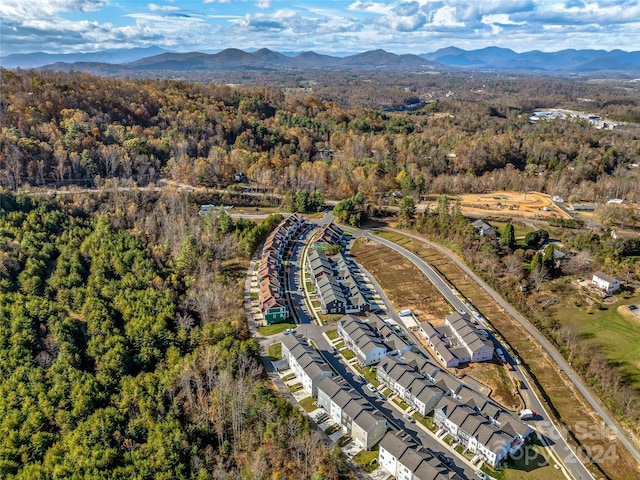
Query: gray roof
x=395, y=444
x=367, y=419
x=329, y=386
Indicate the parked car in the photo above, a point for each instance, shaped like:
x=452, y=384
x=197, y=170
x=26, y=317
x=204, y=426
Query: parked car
x=287, y=331
x=632, y=307
x=371, y=387
x=408, y=418
x=444, y=459
x=482, y=475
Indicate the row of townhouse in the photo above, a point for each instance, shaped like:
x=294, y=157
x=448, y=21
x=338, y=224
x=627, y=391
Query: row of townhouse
x=307, y=365
x=329, y=234
x=345, y=406
x=458, y=341
x=270, y=296
x=348, y=409
x=370, y=340
x=488, y=431
x=403, y=459
x=406, y=381
x=334, y=284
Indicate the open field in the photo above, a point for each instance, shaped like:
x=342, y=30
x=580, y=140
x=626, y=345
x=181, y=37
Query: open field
x=559, y=392
x=510, y=204
x=614, y=330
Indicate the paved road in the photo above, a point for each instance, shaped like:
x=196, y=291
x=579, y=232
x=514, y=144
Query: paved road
x=311, y=330
x=553, y=436
x=550, y=349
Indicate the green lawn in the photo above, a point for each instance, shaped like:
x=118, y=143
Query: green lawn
x=275, y=351
x=307, y=404
x=347, y=354
x=254, y=295
x=275, y=328
x=332, y=334
x=401, y=403
x=295, y=387
x=368, y=374
x=332, y=429
x=614, y=330
x=365, y=459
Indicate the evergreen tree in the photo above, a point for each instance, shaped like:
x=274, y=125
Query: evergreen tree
x=509, y=236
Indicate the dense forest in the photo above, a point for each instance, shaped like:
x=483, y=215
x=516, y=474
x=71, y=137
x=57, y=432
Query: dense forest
x=60, y=128
x=124, y=350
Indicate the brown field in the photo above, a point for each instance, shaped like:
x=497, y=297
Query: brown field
x=401, y=280
x=569, y=405
x=511, y=204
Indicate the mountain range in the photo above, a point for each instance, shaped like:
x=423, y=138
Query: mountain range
x=139, y=60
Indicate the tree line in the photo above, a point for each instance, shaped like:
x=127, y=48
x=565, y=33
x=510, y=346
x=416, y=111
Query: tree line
x=124, y=347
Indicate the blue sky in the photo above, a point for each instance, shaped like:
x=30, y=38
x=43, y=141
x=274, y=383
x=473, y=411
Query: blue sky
x=324, y=26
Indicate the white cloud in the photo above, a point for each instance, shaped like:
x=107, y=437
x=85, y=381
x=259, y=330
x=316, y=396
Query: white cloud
x=163, y=8
x=263, y=4
x=21, y=9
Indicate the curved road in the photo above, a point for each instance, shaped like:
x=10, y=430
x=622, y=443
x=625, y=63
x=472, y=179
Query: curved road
x=554, y=437
x=550, y=349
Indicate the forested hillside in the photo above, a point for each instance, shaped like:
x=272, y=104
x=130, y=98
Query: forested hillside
x=124, y=351
x=59, y=128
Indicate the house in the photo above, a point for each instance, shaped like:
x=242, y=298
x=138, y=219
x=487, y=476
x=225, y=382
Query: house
x=330, y=234
x=272, y=304
x=483, y=228
x=348, y=409
x=307, y=365
x=490, y=432
x=362, y=339
x=606, y=283
x=403, y=459
x=412, y=386
x=335, y=287
x=458, y=341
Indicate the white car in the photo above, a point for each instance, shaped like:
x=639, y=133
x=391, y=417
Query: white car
x=371, y=387
x=408, y=418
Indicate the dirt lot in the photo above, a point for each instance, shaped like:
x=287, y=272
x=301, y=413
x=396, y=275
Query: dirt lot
x=403, y=283
x=511, y=204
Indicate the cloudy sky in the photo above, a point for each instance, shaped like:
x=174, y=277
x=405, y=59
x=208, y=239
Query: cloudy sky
x=325, y=26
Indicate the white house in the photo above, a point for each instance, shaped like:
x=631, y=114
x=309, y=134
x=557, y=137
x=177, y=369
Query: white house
x=403, y=459
x=362, y=339
x=606, y=283
x=305, y=362
x=348, y=409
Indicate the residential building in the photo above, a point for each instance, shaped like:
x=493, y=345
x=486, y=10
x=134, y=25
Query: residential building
x=335, y=287
x=403, y=459
x=490, y=432
x=270, y=295
x=362, y=339
x=458, y=341
x=606, y=283
x=348, y=409
x=410, y=384
x=307, y=365
x=482, y=228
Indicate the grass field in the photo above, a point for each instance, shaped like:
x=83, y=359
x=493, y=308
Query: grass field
x=614, y=330
x=275, y=351
x=274, y=329
x=569, y=404
x=307, y=404
x=365, y=459
x=332, y=334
